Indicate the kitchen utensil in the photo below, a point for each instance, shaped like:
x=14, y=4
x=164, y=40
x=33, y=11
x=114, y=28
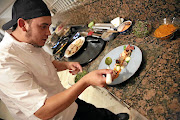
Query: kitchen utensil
x=103, y=26
x=106, y=36
x=118, y=99
x=91, y=24
x=108, y=61
x=112, y=31
x=61, y=47
x=113, y=95
x=91, y=33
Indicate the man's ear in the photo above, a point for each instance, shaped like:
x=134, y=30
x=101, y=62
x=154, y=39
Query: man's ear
x=21, y=24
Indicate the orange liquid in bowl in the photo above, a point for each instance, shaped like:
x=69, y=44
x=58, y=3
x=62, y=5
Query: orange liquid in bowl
x=164, y=30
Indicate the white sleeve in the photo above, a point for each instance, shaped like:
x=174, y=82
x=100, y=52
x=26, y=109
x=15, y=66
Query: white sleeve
x=17, y=83
x=48, y=55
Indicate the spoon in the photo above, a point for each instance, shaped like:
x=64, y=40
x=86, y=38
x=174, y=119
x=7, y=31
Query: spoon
x=108, y=61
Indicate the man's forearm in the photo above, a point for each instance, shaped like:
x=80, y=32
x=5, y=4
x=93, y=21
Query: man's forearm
x=60, y=66
x=59, y=102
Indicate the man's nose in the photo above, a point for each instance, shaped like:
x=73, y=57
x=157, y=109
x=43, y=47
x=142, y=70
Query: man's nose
x=48, y=32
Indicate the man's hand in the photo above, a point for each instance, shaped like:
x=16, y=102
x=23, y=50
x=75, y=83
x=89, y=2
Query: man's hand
x=97, y=77
x=74, y=67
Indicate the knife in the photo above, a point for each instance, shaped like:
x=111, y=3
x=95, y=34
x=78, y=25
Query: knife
x=114, y=96
x=118, y=99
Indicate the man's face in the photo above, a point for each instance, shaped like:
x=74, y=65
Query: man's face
x=38, y=31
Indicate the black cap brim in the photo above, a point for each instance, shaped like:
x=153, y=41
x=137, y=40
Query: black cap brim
x=8, y=25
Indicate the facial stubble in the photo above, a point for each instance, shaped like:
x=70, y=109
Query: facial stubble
x=29, y=36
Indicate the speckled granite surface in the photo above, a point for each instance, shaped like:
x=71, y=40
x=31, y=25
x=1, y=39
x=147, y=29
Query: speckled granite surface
x=106, y=10
x=154, y=89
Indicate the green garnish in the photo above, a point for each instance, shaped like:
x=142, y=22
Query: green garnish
x=80, y=75
x=108, y=61
x=124, y=47
x=141, y=29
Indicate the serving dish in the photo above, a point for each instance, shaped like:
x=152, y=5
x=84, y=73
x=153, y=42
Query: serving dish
x=123, y=27
x=129, y=70
x=74, y=47
x=141, y=28
x=166, y=30
x=117, y=21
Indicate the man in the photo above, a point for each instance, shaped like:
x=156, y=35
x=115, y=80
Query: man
x=29, y=85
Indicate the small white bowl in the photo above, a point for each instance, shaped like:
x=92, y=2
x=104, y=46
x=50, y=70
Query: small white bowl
x=117, y=21
x=126, y=25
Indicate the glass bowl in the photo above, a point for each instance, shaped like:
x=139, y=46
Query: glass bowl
x=167, y=29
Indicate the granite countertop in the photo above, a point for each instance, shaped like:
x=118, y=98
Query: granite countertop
x=153, y=89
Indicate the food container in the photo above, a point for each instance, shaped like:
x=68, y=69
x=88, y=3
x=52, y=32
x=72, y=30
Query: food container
x=117, y=21
x=141, y=28
x=166, y=30
x=168, y=37
x=74, y=47
x=123, y=27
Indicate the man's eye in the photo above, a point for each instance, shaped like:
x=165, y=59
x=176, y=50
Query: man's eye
x=43, y=27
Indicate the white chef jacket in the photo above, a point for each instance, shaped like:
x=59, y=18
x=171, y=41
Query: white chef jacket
x=27, y=78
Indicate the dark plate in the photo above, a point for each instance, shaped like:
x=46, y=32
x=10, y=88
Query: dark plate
x=89, y=51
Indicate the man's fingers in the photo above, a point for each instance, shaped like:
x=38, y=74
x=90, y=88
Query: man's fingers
x=106, y=71
x=79, y=67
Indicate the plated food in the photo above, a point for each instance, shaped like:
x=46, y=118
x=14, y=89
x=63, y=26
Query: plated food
x=128, y=68
x=74, y=46
x=122, y=60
